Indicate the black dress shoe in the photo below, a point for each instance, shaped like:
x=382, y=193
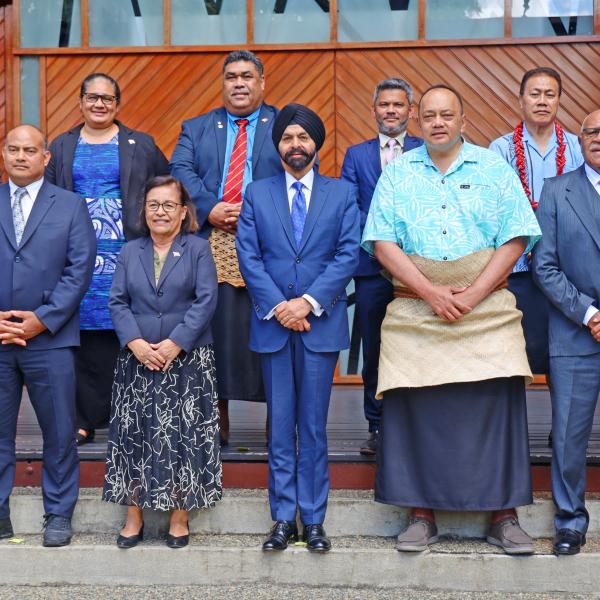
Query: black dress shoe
x=568, y=541
x=316, y=539
x=178, y=542
x=81, y=439
x=132, y=541
x=281, y=534
x=6, y=530
x=57, y=531
x=370, y=445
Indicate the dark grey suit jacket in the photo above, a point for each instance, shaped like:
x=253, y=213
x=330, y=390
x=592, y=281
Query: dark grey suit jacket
x=566, y=260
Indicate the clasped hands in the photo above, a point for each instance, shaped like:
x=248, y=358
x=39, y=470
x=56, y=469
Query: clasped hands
x=451, y=303
x=594, y=325
x=155, y=356
x=224, y=216
x=13, y=332
x=292, y=314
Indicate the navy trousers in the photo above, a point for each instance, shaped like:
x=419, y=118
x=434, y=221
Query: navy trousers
x=298, y=387
x=373, y=294
x=575, y=388
x=50, y=379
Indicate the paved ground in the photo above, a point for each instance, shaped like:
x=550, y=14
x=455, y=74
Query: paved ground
x=254, y=592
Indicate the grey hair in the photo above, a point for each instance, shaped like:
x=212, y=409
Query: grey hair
x=44, y=136
x=393, y=84
x=246, y=55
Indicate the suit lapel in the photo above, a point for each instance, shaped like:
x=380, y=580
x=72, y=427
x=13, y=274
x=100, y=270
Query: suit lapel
x=282, y=206
x=127, y=148
x=173, y=257
x=578, y=196
x=6, y=218
x=220, y=116
x=147, y=260
x=318, y=196
x=261, y=131
x=410, y=143
x=44, y=200
x=374, y=152
x=68, y=155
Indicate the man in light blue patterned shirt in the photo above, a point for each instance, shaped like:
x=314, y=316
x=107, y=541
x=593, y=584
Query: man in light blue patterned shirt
x=448, y=221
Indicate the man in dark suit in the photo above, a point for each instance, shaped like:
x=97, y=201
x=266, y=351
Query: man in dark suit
x=363, y=164
x=47, y=252
x=565, y=264
x=218, y=154
x=297, y=243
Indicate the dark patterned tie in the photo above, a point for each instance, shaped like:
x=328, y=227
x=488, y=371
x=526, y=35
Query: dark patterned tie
x=18, y=217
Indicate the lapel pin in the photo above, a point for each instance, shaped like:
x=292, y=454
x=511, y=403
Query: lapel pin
x=131, y=141
x=265, y=120
x=176, y=254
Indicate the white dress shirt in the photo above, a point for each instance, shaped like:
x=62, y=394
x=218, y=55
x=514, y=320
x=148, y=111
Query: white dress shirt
x=28, y=199
x=384, y=148
x=307, y=184
x=594, y=178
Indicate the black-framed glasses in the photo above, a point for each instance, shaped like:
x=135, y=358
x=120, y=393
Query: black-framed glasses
x=588, y=134
x=107, y=100
x=167, y=206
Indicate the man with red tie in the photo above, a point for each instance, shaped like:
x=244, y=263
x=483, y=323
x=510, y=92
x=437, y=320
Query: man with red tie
x=218, y=154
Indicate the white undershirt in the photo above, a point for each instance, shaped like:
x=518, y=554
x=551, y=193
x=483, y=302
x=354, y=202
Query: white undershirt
x=28, y=199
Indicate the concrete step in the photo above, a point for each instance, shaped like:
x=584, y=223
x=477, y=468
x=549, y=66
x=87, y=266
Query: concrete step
x=350, y=512
x=356, y=562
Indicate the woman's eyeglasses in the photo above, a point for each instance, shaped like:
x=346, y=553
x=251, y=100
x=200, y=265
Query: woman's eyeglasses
x=167, y=206
x=93, y=98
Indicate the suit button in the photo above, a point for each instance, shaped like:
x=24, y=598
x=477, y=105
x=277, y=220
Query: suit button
x=297, y=260
x=158, y=315
x=291, y=286
x=160, y=293
x=17, y=259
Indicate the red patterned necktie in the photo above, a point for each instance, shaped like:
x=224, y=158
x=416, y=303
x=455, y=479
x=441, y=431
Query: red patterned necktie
x=232, y=192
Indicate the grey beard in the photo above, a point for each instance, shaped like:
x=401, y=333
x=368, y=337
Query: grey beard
x=394, y=131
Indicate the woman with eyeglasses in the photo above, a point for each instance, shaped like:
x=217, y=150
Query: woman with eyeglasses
x=163, y=442
x=108, y=164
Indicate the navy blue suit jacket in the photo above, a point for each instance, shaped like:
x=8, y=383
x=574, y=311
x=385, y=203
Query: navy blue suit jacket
x=52, y=269
x=199, y=157
x=362, y=168
x=323, y=266
x=566, y=261
x=179, y=308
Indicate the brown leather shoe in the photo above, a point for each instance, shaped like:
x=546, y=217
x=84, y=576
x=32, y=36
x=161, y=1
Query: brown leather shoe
x=508, y=535
x=419, y=534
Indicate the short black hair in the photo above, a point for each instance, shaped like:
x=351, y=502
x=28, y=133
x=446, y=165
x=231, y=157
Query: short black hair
x=108, y=78
x=189, y=224
x=246, y=55
x=541, y=71
x=441, y=86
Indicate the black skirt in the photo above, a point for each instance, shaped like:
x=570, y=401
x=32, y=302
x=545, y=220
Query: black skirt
x=163, y=442
x=95, y=371
x=535, y=306
x=459, y=446
x=239, y=374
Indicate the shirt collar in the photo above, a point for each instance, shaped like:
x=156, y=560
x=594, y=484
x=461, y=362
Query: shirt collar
x=252, y=119
x=593, y=176
x=384, y=139
x=468, y=153
x=552, y=142
x=307, y=181
x=32, y=188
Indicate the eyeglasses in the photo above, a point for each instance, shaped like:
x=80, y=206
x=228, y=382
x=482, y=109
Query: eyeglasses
x=588, y=134
x=93, y=98
x=167, y=206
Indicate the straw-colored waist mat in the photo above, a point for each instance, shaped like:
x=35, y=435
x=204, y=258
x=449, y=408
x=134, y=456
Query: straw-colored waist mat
x=223, y=249
x=419, y=349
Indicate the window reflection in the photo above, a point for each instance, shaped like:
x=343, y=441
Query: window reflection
x=537, y=18
x=50, y=23
x=377, y=20
x=208, y=22
x=30, y=90
x=464, y=19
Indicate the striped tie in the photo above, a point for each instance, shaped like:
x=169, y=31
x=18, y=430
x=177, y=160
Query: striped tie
x=232, y=191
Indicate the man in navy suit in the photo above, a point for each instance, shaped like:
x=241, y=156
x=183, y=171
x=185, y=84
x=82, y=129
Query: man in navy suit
x=297, y=242
x=218, y=154
x=565, y=265
x=363, y=164
x=47, y=253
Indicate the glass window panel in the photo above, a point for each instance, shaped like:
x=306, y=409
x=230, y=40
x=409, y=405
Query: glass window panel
x=291, y=21
x=540, y=18
x=351, y=361
x=30, y=90
x=377, y=20
x=50, y=23
x=126, y=22
x=208, y=22
x=464, y=19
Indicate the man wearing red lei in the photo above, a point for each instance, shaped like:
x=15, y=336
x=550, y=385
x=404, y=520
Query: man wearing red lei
x=538, y=149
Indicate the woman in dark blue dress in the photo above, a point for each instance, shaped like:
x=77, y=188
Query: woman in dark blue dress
x=108, y=164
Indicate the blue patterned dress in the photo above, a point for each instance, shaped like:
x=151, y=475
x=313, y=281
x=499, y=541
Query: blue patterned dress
x=96, y=177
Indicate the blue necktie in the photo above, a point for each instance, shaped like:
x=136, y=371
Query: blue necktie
x=298, y=217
